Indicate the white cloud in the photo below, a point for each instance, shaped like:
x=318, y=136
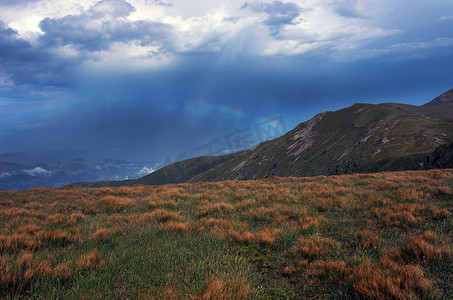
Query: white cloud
x=37, y=171
x=401, y=50
x=445, y=18
x=145, y=171
x=5, y=174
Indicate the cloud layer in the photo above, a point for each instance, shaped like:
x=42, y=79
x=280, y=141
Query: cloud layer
x=152, y=34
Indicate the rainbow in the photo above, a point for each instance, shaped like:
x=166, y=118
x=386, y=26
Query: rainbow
x=205, y=107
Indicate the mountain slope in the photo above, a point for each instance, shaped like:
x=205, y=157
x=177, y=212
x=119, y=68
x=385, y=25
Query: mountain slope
x=178, y=172
x=360, y=138
x=445, y=98
x=184, y=170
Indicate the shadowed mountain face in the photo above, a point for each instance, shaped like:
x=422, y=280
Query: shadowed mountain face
x=360, y=138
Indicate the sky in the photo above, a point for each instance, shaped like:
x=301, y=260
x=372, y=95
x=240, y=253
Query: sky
x=164, y=80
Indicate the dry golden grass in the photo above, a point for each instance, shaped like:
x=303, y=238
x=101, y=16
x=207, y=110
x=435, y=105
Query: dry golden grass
x=159, y=215
x=215, y=209
x=117, y=202
x=364, y=235
x=177, y=226
x=314, y=246
x=101, y=234
x=224, y=290
x=305, y=222
x=23, y=270
x=407, y=215
x=16, y=241
x=20, y=212
x=62, y=271
x=59, y=236
x=6, y=275
x=161, y=203
x=129, y=191
x=368, y=239
x=386, y=279
x=267, y=236
x=92, y=260
x=421, y=249
x=323, y=268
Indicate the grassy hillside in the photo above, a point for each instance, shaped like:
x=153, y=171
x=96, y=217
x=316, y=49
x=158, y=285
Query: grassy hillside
x=382, y=235
x=360, y=138
x=185, y=170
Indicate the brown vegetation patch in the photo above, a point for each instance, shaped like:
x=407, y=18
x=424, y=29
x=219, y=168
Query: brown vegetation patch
x=420, y=249
x=386, y=279
x=62, y=271
x=16, y=241
x=407, y=215
x=6, y=274
x=325, y=268
x=20, y=212
x=161, y=203
x=266, y=236
x=315, y=246
x=177, y=226
x=129, y=191
x=367, y=239
x=58, y=236
x=305, y=221
x=215, y=288
x=117, y=202
x=101, y=234
x=92, y=260
x=160, y=215
x=215, y=209
x=264, y=214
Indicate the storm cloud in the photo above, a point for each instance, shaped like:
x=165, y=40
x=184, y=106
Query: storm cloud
x=98, y=28
x=279, y=13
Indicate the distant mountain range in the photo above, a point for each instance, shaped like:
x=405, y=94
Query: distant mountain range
x=360, y=138
x=50, y=156
x=15, y=176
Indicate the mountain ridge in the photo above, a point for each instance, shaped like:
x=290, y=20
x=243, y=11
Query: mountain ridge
x=445, y=98
x=360, y=138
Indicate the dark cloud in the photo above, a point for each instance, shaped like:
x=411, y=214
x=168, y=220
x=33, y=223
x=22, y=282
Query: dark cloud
x=23, y=62
x=73, y=30
x=99, y=27
x=347, y=8
x=43, y=63
x=279, y=13
x=12, y=47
